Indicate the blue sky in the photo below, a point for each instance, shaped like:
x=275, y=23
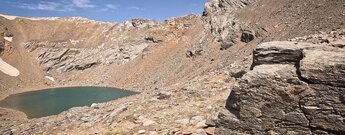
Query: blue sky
x=103, y=10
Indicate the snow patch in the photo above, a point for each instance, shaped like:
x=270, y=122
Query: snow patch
x=8, y=69
x=41, y=18
x=11, y=17
x=9, y=39
x=50, y=78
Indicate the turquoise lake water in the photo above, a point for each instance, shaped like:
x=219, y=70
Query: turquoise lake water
x=53, y=101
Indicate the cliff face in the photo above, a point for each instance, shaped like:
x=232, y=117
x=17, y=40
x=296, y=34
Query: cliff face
x=220, y=20
x=220, y=16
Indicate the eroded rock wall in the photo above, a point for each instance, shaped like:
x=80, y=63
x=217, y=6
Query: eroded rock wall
x=65, y=57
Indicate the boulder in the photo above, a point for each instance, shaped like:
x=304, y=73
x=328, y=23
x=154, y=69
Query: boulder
x=7, y=32
x=247, y=36
x=226, y=45
x=264, y=98
x=293, y=88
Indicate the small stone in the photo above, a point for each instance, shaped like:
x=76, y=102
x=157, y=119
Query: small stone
x=226, y=45
x=211, y=130
x=163, y=95
x=189, y=54
x=153, y=39
x=201, y=124
x=141, y=131
x=238, y=74
x=271, y=132
x=210, y=122
x=147, y=122
x=153, y=133
x=85, y=119
x=196, y=119
x=188, y=131
x=200, y=132
x=94, y=106
x=183, y=122
x=247, y=36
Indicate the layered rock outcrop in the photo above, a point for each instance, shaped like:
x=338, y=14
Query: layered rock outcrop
x=294, y=88
x=62, y=56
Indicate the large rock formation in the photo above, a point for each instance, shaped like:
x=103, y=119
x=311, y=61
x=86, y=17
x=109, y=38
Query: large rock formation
x=220, y=19
x=294, y=88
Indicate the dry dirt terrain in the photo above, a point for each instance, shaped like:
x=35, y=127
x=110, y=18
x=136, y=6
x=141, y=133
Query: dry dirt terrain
x=243, y=67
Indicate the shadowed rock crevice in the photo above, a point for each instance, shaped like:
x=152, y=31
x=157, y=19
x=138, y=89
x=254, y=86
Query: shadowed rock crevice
x=298, y=72
x=305, y=115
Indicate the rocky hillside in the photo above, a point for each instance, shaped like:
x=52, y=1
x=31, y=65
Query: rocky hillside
x=70, y=48
x=185, y=68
